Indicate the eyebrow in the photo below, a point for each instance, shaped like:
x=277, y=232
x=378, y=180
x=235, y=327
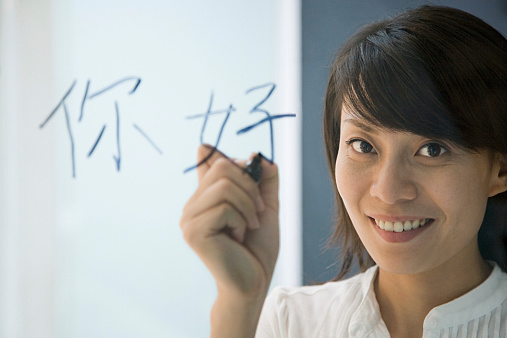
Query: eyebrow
x=361, y=125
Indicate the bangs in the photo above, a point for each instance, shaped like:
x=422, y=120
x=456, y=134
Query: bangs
x=390, y=87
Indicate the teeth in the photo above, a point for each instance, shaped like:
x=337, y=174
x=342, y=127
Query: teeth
x=401, y=226
x=408, y=225
x=398, y=226
x=415, y=224
x=389, y=226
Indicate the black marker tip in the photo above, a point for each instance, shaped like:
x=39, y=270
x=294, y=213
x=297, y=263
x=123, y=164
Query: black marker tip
x=254, y=168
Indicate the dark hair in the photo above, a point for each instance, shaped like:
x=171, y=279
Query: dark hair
x=434, y=71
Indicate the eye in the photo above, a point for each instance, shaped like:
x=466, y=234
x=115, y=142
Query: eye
x=361, y=146
x=432, y=150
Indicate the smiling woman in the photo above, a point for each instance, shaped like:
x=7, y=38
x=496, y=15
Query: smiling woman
x=397, y=191
x=415, y=120
x=405, y=75
x=415, y=124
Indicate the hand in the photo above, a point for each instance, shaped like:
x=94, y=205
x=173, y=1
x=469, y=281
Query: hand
x=232, y=224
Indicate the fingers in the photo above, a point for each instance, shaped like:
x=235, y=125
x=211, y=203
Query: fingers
x=224, y=190
x=268, y=186
x=231, y=221
x=216, y=216
x=206, y=156
x=224, y=181
x=218, y=166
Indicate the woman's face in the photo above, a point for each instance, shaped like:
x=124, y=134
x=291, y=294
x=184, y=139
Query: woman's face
x=416, y=203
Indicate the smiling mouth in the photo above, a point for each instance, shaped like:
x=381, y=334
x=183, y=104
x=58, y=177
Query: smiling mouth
x=401, y=226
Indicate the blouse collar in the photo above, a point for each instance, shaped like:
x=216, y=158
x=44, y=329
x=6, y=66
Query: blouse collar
x=491, y=293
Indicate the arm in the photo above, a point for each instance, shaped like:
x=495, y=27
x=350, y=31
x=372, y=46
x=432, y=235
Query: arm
x=232, y=224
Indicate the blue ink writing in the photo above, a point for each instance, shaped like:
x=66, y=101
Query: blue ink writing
x=67, y=123
x=206, y=116
x=266, y=91
x=269, y=118
x=256, y=109
x=117, y=157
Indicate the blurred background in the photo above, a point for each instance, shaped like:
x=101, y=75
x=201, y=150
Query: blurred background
x=102, y=107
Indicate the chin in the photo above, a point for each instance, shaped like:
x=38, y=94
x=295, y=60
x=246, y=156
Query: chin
x=402, y=266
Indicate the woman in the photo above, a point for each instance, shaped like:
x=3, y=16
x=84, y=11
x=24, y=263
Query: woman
x=415, y=128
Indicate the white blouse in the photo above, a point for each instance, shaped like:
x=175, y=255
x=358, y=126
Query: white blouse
x=349, y=308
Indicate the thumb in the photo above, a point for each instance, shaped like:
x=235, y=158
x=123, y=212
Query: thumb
x=269, y=183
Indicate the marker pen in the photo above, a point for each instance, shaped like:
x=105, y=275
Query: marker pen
x=254, y=168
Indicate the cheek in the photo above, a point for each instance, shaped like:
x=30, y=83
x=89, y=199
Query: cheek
x=350, y=183
x=462, y=197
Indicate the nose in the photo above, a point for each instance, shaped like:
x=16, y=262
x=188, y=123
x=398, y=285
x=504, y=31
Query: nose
x=394, y=182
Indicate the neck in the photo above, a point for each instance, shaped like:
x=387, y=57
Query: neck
x=405, y=300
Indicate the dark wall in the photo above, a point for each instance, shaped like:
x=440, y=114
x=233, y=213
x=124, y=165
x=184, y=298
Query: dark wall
x=325, y=26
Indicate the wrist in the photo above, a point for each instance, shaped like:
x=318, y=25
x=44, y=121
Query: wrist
x=233, y=315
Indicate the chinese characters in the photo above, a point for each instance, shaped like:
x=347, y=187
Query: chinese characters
x=128, y=86
x=257, y=109
x=88, y=96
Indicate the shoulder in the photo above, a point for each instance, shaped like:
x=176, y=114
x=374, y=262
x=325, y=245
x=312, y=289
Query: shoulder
x=308, y=310
x=484, y=308
x=316, y=297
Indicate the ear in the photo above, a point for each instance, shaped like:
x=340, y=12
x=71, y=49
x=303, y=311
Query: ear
x=499, y=183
